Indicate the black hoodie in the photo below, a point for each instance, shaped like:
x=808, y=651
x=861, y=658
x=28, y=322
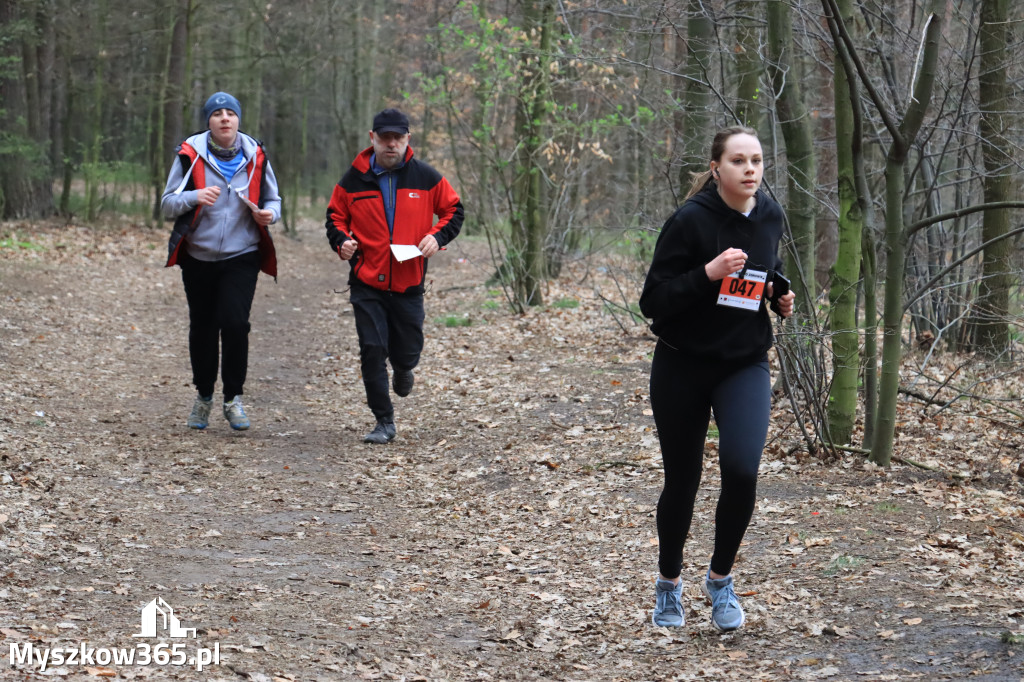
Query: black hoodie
x=682, y=301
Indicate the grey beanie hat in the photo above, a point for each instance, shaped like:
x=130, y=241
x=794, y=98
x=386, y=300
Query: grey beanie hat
x=221, y=100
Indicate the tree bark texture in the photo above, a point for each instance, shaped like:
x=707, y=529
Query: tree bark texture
x=530, y=222
x=798, y=133
x=991, y=333
x=845, y=280
x=25, y=190
x=749, y=106
x=896, y=240
x=695, y=93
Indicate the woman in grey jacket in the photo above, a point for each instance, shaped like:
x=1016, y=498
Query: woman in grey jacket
x=222, y=194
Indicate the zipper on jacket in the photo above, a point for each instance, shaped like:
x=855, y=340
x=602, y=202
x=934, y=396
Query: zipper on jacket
x=391, y=226
x=391, y=262
x=228, y=189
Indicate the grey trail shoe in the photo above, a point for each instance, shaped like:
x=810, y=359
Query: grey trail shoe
x=668, y=607
x=383, y=432
x=726, y=612
x=235, y=414
x=402, y=383
x=200, y=416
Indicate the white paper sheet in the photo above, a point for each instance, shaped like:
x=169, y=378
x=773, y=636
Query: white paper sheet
x=245, y=198
x=404, y=252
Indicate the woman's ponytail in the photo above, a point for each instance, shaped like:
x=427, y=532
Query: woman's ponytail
x=700, y=181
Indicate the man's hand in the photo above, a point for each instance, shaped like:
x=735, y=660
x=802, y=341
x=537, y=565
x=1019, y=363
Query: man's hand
x=428, y=247
x=348, y=249
x=726, y=263
x=207, y=196
x=263, y=217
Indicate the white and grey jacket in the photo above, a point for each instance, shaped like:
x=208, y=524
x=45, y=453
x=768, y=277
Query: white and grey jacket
x=225, y=229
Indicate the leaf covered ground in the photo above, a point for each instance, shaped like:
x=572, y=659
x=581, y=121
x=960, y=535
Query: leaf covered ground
x=508, y=533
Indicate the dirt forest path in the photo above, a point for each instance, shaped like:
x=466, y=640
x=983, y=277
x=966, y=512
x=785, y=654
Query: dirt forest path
x=508, y=533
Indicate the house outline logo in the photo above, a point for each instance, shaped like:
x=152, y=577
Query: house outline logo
x=171, y=626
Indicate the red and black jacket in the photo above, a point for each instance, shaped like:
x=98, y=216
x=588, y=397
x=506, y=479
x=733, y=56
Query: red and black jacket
x=184, y=223
x=357, y=212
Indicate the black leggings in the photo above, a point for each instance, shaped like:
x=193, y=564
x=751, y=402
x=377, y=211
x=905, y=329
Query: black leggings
x=219, y=297
x=684, y=391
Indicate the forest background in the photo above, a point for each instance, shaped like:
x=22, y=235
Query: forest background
x=573, y=128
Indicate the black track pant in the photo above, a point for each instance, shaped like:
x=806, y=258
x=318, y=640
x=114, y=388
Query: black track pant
x=219, y=297
x=684, y=391
x=390, y=326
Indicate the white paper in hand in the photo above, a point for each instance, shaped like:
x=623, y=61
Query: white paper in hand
x=404, y=252
x=245, y=198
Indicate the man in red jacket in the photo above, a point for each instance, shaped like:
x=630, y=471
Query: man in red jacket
x=381, y=220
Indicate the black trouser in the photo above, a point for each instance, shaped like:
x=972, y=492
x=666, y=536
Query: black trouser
x=684, y=391
x=219, y=297
x=389, y=326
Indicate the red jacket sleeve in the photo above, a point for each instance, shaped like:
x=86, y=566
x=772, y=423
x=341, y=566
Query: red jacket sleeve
x=448, y=209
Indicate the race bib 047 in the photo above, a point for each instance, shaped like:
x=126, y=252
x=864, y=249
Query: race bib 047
x=743, y=292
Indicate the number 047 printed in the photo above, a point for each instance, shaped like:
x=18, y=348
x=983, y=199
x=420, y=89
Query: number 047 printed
x=743, y=292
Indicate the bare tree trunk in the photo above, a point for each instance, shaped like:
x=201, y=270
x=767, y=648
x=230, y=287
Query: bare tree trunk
x=299, y=162
x=25, y=189
x=530, y=225
x=252, y=79
x=92, y=164
x=748, y=64
x=869, y=272
x=903, y=133
x=842, y=401
x=169, y=128
x=177, y=86
x=30, y=73
x=352, y=75
x=797, y=130
x=47, y=77
x=700, y=32
x=896, y=241
x=990, y=328
x=67, y=114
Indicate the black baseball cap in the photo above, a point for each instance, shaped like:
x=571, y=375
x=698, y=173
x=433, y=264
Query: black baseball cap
x=391, y=121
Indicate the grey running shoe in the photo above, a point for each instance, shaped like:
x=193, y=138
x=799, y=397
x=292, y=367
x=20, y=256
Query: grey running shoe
x=668, y=606
x=383, y=432
x=200, y=417
x=402, y=382
x=726, y=612
x=235, y=414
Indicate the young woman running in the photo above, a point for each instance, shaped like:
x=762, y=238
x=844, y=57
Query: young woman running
x=706, y=292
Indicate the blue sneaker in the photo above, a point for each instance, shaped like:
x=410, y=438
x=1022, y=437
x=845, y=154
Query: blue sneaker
x=668, y=607
x=726, y=612
x=200, y=416
x=235, y=414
